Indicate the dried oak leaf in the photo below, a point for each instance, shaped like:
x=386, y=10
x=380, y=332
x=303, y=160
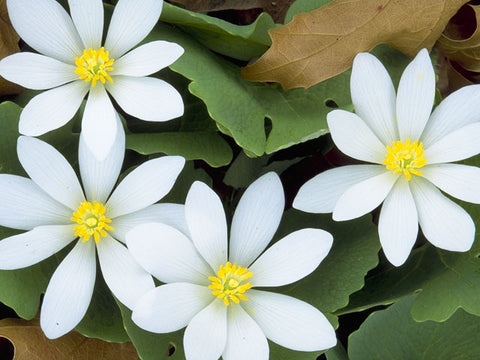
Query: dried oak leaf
x=318, y=45
x=8, y=45
x=31, y=344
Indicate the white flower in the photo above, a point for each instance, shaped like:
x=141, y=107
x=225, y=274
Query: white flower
x=212, y=292
x=74, y=63
x=53, y=208
x=411, y=152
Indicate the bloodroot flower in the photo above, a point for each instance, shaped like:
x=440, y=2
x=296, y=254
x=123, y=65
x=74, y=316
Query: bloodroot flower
x=74, y=63
x=212, y=290
x=410, y=152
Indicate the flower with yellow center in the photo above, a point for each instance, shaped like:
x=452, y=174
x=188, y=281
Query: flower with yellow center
x=56, y=210
x=216, y=296
x=72, y=62
x=410, y=153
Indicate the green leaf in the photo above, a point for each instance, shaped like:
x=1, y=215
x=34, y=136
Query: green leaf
x=9, y=115
x=392, y=334
x=239, y=42
x=303, y=6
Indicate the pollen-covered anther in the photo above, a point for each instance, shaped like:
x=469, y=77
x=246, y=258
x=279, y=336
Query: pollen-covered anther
x=405, y=157
x=229, y=284
x=94, y=65
x=91, y=221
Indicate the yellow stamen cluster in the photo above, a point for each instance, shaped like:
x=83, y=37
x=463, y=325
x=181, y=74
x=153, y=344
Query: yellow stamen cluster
x=91, y=221
x=228, y=284
x=406, y=158
x=94, y=65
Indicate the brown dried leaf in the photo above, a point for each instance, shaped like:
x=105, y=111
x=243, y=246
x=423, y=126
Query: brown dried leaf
x=318, y=45
x=8, y=45
x=31, y=344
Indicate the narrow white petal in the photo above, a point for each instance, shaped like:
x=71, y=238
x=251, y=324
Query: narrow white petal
x=69, y=291
x=169, y=214
x=206, y=335
x=457, y=110
x=373, y=96
x=88, y=18
x=354, y=138
x=398, y=223
x=207, y=224
x=460, y=181
x=23, y=205
x=127, y=280
x=147, y=59
x=170, y=307
x=321, y=193
x=46, y=27
x=35, y=71
x=458, y=145
x=50, y=170
x=290, y=322
x=167, y=254
x=415, y=96
x=99, y=177
x=363, y=197
x=146, y=98
x=99, y=123
x=444, y=223
x=256, y=219
x=145, y=185
x=130, y=24
x=291, y=258
x=52, y=109
x=245, y=339
x=30, y=248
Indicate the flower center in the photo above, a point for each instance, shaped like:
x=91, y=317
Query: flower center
x=91, y=221
x=94, y=65
x=405, y=158
x=229, y=284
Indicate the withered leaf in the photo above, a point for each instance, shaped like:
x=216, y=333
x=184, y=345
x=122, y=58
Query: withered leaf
x=31, y=344
x=8, y=45
x=318, y=45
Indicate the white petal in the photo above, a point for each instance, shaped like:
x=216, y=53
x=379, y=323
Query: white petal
x=415, y=96
x=321, y=193
x=130, y=24
x=145, y=185
x=23, y=205
x=457, y=110
x=147, y=59
x=167, y=254
x=50, y=170
x=69, y=291
x=127, y=280
x=170, y=307
x=373, y=96
x=458, y=145
x=99, y=177
x=30, y=248
x=146, y=98
x=354, y=138
x=291, y=258
x=289, y=322
x=444, y=223
x=169, y=214
x=398, y=223
x=52, y=109
x=460, y=181
x=256, y=219
x=245, y=339
x=363, y=197
x=35, y=71
x=206, y=335
x=88, y=18
x=207, y=224
x=46, y=27
x=99, y=123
